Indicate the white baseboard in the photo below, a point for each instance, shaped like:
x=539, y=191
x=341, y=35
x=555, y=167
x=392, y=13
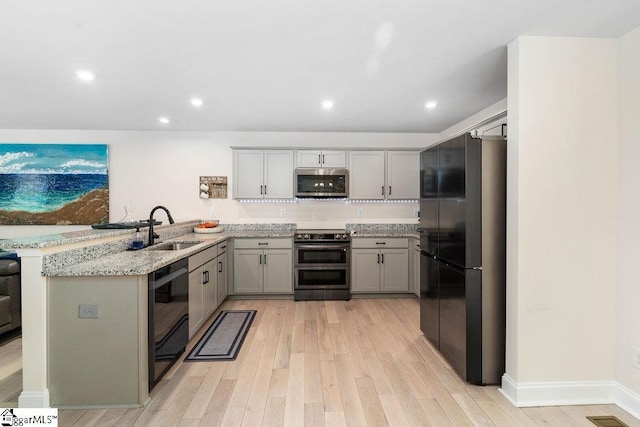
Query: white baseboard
x=571, y=393
x=34, y=399
x=628, y=400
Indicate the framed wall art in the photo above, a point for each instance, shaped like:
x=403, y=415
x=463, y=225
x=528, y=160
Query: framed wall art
x=54, y=184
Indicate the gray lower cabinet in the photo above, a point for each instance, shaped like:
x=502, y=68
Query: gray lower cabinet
x=207, y=284
x=223, y=276
x=379, y=265
x=263, y=266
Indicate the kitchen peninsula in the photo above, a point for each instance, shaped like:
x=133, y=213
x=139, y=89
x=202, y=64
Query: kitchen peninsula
x=61, y=271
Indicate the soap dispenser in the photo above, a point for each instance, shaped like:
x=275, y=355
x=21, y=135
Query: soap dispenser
x=138, y=241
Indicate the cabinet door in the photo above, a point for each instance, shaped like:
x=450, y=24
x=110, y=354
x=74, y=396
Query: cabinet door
x=365, y=275
x=403, y=175
x=210, y=288
x=247, y=271
x=394, y=270
x=278, y=271
x=334, y=159
x=248, y=174
x=278, y=174
x=366, y=175
x=196, y=295
x=308, y=158
x=223, y=264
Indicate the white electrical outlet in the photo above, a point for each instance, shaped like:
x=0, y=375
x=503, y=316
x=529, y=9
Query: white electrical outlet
x=635, y=361
x=359, y=212
x=283, y=213
x=416, y=213
x=213, y=213
x=87, y=311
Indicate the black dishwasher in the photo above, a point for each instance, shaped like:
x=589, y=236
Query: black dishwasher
x=168, y=317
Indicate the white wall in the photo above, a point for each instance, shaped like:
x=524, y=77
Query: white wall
x=562, y=209
x=151, y=168
x=628, y=302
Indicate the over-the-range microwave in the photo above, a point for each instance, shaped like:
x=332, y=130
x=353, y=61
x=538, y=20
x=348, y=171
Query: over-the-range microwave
x=321, y=182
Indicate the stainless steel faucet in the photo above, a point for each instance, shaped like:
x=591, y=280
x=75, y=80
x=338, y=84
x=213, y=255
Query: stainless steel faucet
x=152, y=235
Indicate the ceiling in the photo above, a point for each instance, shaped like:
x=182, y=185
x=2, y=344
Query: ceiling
x=266, y=65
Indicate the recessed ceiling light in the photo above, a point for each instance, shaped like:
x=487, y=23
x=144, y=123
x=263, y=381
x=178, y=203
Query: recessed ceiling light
x=430, y=105
x=164, y=120
x=327, y=104
x=196, y=102
x=85, y=75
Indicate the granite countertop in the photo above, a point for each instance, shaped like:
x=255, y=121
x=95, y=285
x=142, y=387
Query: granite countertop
x=144, y=261
x=112, y=259
x=140, y=262
x=383, y=230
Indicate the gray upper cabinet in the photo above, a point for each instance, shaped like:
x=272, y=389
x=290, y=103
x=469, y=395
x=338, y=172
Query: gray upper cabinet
x=263, y=174
x=321, y=159
x=380, y=175
x=366, y=175
x=403, y=175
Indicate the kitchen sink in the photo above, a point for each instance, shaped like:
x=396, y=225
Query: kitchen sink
x=173, y=246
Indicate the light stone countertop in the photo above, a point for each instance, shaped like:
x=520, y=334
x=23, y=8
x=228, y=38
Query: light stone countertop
x=144, y=261
x=89, y=261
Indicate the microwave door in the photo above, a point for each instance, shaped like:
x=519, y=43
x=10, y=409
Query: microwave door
x=308, y=185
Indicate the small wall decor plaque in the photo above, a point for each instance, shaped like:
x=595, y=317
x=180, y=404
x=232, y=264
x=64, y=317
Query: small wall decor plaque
x=213, y=187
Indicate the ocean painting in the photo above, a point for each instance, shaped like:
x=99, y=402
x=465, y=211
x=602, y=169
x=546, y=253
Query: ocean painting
x=61, y=184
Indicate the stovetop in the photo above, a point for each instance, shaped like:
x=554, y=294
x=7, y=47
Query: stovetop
x=324, y=235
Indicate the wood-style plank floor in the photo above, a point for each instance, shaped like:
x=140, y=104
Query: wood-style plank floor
x=327, y=363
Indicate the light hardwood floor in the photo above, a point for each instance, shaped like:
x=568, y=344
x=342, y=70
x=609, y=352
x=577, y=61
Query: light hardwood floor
x=326, y=363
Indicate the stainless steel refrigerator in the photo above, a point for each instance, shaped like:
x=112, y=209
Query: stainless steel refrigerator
x=462, y=263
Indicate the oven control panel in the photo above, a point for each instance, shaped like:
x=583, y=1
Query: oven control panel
x=319, y=236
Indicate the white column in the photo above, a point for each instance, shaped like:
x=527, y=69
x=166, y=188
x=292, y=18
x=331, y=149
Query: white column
x=35, y=393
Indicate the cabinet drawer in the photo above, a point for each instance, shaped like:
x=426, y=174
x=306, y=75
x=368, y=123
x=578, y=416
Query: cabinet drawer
x=223, y=247
x=269, y=243
x=202, y=257
x=379, y=242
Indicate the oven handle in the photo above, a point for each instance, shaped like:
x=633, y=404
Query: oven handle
x=322, y=246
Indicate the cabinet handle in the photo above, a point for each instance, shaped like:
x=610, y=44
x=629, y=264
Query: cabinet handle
x=204, y=277
x=381, y=243
x=219, y=266
x=323, y=159
x=223, y=247
x=260, y=259
x=265, y=189
x=265, y=259
x=382, y=194
x=263, y=243
x=389, y=190
x=261, y=189
x=378, y=258
x=382, y=258
x=319, y=162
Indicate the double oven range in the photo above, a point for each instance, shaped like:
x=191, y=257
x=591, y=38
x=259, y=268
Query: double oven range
x=321, y=265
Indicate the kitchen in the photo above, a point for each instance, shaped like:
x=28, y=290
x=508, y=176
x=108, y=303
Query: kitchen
x=602, y=283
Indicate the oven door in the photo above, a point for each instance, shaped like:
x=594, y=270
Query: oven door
x=324, y=254
x=321, y=278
